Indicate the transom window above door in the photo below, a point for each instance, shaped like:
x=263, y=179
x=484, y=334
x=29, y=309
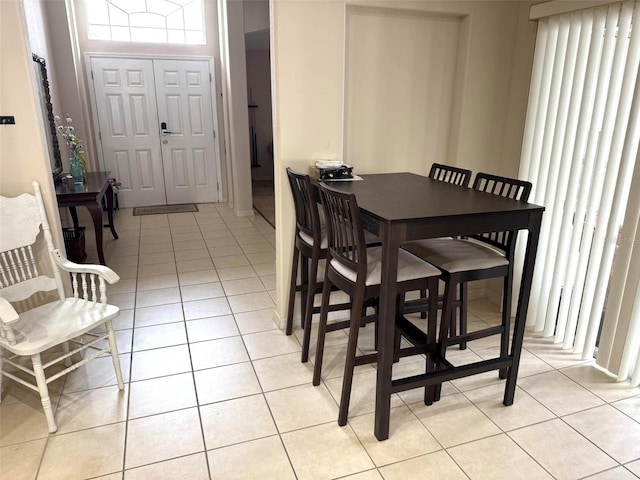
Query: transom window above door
x=151, y=21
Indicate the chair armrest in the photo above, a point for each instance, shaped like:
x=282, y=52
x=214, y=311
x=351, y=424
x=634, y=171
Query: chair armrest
x=105, y=272
x=7, y=313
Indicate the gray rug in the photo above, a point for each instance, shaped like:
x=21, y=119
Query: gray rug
x=164, y=209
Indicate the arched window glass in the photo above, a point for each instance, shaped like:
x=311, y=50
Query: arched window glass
x=155, y=21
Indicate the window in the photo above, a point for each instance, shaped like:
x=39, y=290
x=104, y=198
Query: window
x=579, y=150
x=154, y=21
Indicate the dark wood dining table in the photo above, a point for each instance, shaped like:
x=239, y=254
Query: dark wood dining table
x=89, y=195
x=400, y=207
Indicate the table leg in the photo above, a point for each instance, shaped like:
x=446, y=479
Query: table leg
x=386, y=328
x=523, y=304
x=109, y=194
x=95, y=209
x=74, y=217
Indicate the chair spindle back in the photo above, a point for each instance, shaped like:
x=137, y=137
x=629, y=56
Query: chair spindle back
x=21, y=218
x=344, y=229
x=449, y=174
x=504, y=187
x=306, y=205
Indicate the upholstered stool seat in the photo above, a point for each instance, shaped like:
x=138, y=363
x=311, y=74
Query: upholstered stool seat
x=455, y=255
x=410, y=267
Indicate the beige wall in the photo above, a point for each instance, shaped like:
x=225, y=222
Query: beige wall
x=67, y=78
x=235, y=91
x=256, y=15
x=308, y=57
x=23, y=150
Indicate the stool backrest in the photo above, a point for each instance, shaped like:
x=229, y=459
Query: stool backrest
x=449, y=174
x=344, y=230
x=305, y=204
x=504, y=187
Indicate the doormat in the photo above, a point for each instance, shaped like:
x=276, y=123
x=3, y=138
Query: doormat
x=160, y=209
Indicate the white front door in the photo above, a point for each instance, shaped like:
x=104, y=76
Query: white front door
x=184, y=106
x=133, y=98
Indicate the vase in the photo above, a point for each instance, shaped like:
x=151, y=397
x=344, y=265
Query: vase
x=75, y=168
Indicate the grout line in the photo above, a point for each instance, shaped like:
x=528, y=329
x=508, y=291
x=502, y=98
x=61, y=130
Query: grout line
x=262, y=391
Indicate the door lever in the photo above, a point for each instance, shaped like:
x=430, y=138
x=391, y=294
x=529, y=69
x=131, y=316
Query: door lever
x=163, y=129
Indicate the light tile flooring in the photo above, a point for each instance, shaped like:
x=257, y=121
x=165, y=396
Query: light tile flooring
x=214, y=390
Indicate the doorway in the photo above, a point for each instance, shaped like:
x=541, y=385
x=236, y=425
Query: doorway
x=260, y=126
x=156, y=128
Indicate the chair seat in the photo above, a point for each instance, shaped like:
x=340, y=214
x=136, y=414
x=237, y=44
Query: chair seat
x=53, y=323
x=409, y=267
x=308, y=239
x=454, y=256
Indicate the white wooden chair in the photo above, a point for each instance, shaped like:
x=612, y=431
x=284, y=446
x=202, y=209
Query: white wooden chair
x=52, y=325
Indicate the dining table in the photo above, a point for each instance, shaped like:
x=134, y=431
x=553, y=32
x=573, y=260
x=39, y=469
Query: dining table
x=400, y=207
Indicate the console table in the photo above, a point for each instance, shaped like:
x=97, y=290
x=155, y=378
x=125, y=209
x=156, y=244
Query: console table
x=89, y=195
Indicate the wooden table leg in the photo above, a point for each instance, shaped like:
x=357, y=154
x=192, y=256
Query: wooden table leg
x=523, y=303
x=74, y=217
x=109, y=195
x=386, y=329
x=95, y=209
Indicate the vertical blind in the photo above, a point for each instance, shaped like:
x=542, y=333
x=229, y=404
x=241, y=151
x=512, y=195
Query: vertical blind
x=579, y=151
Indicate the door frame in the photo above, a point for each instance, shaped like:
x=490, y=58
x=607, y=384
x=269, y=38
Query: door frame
x=214, y=104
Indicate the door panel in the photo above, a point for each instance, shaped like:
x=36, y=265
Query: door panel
x=183, y=92
x=128, y=122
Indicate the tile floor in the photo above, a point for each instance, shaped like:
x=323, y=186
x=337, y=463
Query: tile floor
x=214, y=390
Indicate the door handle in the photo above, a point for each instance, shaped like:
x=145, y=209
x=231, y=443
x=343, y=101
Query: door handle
x=163, y=129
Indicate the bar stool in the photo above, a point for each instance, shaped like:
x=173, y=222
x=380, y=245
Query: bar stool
x=310, y=243
x=478, y=257
x=456, y=176
x=356, y=270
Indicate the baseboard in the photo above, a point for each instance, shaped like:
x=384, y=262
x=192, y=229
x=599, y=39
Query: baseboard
x=245, y=213
x=493, y=296
x=279, y=320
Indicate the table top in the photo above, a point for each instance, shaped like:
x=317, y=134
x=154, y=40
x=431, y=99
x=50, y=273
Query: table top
x=94, y=185
x=402, y=197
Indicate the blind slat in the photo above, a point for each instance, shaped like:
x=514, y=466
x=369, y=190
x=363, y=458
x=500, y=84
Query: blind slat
x=547, y=234
x=583, y=224
x=624, y=282
x=569, y=167
x=543, y=101
x=607, y=168
x=568, y=242
x=534, y=97
x=549, y=136
x=624, y=147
